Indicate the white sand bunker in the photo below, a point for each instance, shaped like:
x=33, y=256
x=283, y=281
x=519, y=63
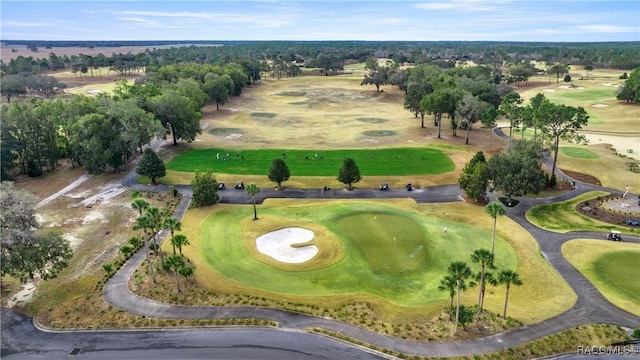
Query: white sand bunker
x=233, y=137
x=548, y=90
x=599, y=105
x=571, y=87
x=277, y=245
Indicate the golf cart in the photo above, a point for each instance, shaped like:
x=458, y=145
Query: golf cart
x=384, y=187
x=409, y=187
x=239, y=185
x=221, y=186
x=614, y=235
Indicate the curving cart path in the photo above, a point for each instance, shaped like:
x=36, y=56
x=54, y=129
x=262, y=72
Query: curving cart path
x=590, y=307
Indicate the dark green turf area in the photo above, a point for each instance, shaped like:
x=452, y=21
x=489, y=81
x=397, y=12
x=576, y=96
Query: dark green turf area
x=579, y=153
x=379, y=133
x=619, y=271
x=372, y=162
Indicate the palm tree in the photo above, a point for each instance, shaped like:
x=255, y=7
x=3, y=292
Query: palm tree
x=156, y=218
x=186, y=271
x=448, y=283
x=460, y=271
x=488, y=279
x=144, y=223
x=253, y=189
x=494, y=209
x=174, y=263
x=508, y=277
x=139, y=204
x=178, y=241
x=482, y=256
x=173, y=225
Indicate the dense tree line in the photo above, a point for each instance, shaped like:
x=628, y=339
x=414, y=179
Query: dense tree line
x=330, y=54
x=467, y=95
x=101, y=133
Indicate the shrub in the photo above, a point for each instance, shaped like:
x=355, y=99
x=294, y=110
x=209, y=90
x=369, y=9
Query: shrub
x=33, y=169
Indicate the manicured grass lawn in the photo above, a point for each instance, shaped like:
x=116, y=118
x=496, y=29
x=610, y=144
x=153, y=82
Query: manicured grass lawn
x=568, y=96
x=359, y=260
x=400, y=161
x=562, y=216
x=404, y=271
x=579, y=153
x=611, y=267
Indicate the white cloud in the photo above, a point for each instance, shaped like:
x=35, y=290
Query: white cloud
x=24, y=24
x=608, y=29
x=193, y=17
x=138, y=20
x=462, y=5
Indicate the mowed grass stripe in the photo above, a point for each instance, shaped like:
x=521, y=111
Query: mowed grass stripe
x=399, y=161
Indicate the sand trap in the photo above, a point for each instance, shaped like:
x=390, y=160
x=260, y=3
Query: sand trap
x=571, y=87
x=599, y=105
x=277, y=245
x=233, y=137
x=548, y=90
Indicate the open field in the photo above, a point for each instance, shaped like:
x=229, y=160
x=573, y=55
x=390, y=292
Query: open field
x=399, y=278
x=324, y=113
x=392, y=162
x=610, y=266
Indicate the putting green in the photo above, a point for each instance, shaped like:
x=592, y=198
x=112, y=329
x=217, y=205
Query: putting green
x=611, y=267
x=578, y=153
x=357, y=250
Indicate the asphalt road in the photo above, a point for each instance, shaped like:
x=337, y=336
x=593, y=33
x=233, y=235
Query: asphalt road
x=21, y=340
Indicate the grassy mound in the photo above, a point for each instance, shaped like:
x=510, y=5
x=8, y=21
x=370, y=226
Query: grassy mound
x=372, y=162
x=371, y=120
x=379, y=133
x=610, y=267
x=225, y=131
x=263, y=115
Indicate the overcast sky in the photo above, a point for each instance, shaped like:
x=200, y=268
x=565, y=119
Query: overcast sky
x=497, y=20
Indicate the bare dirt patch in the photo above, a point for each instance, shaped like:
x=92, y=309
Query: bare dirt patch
x=585, y=178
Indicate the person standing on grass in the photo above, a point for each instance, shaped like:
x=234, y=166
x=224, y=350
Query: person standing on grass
x=446, y=230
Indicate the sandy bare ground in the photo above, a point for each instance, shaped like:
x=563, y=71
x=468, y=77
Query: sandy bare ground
x=63, y=191
x=278, y=245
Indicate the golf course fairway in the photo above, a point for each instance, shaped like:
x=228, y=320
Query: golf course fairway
x=406, y=270
x=359, y=261
x=595, y=259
